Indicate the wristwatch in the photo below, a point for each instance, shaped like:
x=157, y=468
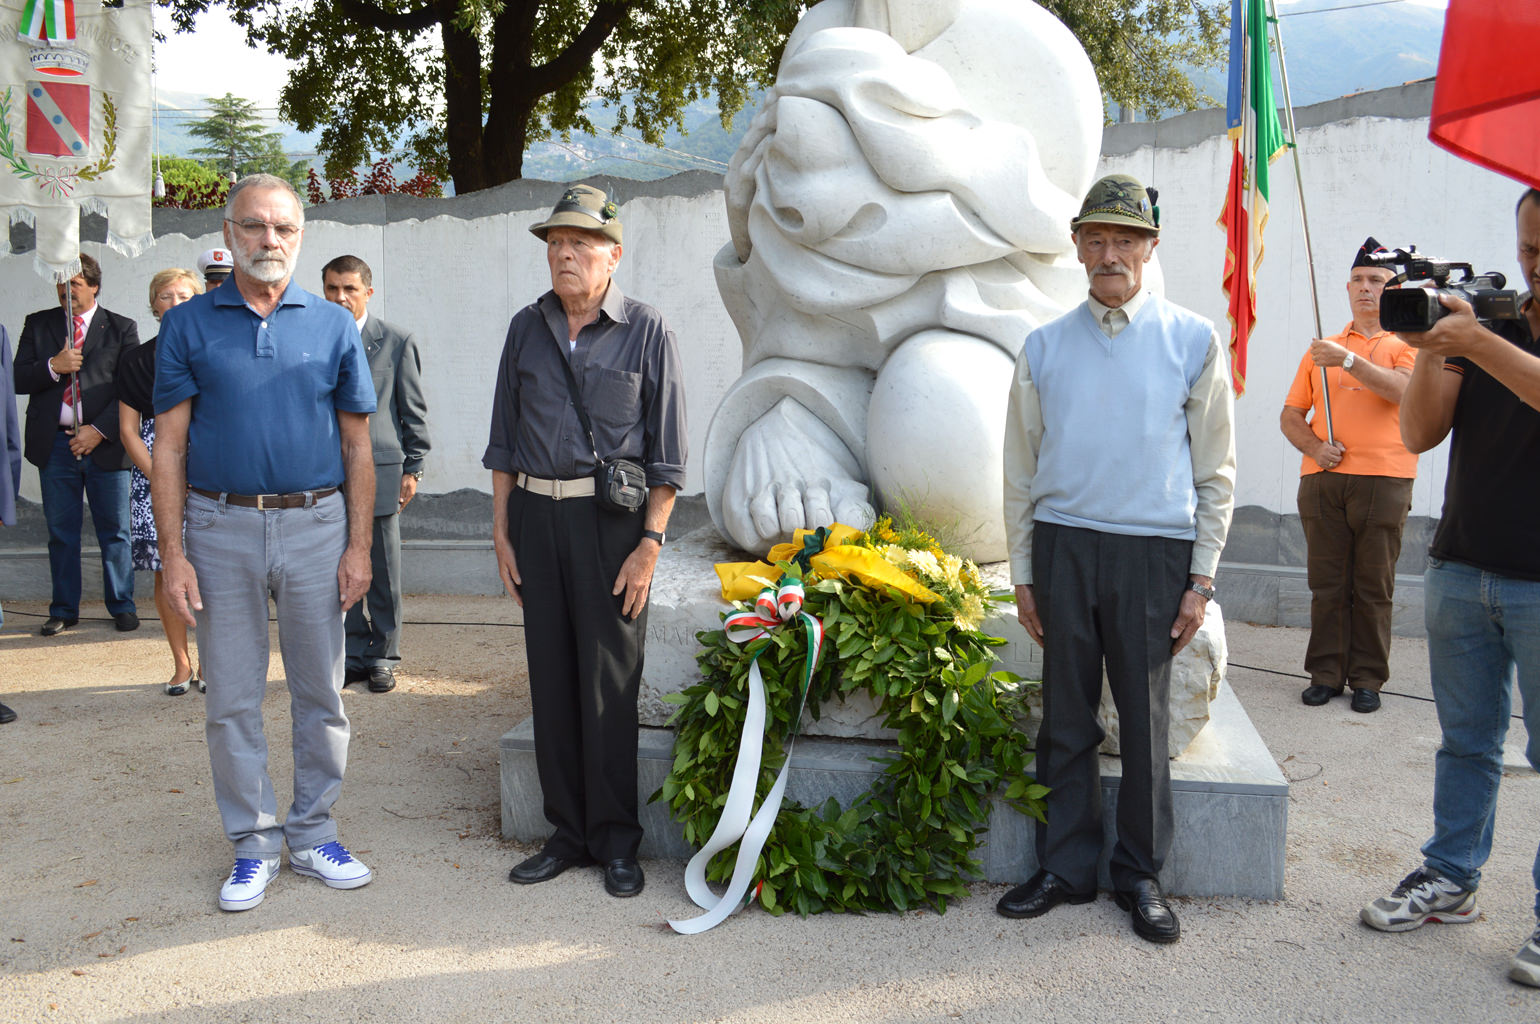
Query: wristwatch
x=1348, y=361
x=657, y=535
x=1198, y=588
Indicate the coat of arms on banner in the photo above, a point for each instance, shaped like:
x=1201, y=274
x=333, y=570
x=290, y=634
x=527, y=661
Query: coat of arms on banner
x=75, y=124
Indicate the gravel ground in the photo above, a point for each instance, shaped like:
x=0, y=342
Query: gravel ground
x=111, y=856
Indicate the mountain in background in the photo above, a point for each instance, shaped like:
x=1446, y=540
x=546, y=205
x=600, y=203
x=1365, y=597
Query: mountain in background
x=1329, y=54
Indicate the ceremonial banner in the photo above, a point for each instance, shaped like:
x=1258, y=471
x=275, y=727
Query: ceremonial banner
x=75, y=124
x=1256, y=139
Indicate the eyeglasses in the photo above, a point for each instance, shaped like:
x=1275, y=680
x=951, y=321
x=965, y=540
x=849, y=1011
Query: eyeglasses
x=259, y=228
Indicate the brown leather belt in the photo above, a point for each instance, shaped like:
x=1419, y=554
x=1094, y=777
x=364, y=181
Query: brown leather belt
x=264, y=502
x=582, y=487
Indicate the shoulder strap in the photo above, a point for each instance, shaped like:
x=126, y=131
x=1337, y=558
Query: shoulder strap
x=577, y=399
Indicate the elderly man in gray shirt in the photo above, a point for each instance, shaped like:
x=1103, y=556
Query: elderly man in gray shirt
x=581, y=572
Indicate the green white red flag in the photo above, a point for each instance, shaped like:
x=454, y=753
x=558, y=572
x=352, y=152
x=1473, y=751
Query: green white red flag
x=1256, y=140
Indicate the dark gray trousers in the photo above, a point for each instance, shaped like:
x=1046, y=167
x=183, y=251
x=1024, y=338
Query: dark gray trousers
x=374, y=623
x=585, y=669
x=1105, y=598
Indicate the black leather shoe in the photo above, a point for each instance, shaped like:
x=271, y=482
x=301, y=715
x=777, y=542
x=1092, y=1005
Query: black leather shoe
x=1040, y=894
x=126, y=622
x=1317, y=695
x=1153, y=918
x=542, y=867
x=382, y=679
x=55, y=625
x=6, y=715
x=1365, y=701
x=623, y=877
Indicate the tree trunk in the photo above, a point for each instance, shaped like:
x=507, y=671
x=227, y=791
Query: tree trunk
x=462, y=107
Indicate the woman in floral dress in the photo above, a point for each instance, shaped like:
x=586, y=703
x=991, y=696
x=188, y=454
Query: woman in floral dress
x=167, y=288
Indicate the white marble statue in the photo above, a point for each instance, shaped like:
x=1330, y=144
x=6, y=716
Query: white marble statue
x=900, y=216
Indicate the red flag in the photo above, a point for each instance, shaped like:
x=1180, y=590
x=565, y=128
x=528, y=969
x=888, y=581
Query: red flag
x=1486, y=101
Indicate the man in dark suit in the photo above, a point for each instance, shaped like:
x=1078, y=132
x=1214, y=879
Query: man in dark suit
x=399, y=432
x=72, y=438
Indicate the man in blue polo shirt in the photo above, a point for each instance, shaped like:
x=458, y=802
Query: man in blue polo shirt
x=262, y=403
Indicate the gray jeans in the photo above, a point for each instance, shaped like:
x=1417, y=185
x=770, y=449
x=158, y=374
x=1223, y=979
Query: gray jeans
x=244, y=556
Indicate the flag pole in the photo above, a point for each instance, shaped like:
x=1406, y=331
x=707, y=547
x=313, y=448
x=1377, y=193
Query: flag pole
x=1299, y=183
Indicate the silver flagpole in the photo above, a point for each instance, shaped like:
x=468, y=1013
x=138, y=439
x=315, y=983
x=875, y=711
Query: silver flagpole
x=1299, y=183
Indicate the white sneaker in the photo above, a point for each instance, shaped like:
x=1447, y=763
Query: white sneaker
x=1526, y=962
x=1423, y=896
x=247, y=882
x=332, y=864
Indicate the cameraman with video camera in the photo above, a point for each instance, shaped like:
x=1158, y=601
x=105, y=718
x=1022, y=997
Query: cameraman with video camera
x=1479, y=383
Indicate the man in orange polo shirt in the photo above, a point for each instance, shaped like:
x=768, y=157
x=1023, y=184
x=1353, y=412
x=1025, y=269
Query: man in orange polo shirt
x=1354, y=491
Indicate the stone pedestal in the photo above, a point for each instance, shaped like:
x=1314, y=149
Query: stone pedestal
x=1231, y=804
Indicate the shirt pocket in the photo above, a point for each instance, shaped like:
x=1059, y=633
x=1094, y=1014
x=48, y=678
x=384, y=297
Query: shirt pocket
x=616, y=401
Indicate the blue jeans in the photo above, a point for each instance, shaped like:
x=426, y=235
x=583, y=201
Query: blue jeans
x=1482, y=630
x=63, y=480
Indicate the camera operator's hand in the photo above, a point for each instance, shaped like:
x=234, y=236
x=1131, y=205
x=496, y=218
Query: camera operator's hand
x=1454, y=335
x=1327, y=353
x=1328, y=455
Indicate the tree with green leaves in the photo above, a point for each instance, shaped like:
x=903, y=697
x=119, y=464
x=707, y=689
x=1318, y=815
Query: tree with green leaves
x=236, y=141
x=470, y=84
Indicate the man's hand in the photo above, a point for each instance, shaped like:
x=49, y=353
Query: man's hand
x=408, y=490
x=84, y=440
x=635, y=578
x=180, y=583
x=1452, y=335
x=1328, y=455
x=507, y=566
x=1327, y=353
x=69, y=360
x=1026, y=613
x=1190, y=616
x=353, y=575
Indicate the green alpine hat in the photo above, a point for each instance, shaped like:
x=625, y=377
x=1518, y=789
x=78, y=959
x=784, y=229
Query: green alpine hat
x=584, y=207
x=1120, y=199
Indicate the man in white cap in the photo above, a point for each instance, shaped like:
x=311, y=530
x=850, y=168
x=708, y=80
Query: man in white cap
x=215, y=265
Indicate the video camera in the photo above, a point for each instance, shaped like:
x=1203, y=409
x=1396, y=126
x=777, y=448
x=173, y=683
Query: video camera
x=1418, y=309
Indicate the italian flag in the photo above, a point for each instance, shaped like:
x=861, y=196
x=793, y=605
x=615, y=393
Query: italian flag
x=1256, y=140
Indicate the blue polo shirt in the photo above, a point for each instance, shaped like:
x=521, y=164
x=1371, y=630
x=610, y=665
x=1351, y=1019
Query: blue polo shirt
x=265, y=392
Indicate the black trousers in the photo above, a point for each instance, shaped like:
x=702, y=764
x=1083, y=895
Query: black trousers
x=585, y=668
x=1105, y=598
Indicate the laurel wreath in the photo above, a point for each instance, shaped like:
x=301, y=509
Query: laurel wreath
x=90, y=172
x=909, y=840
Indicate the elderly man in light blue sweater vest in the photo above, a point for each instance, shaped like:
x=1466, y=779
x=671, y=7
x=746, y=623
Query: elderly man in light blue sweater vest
x=1119, y=483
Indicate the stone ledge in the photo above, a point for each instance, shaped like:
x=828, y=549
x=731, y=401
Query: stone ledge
x=1230, y=798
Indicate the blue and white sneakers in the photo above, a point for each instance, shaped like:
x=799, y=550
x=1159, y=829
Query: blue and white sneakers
x=247, y=882
x=1423, y=896
x=332, y=864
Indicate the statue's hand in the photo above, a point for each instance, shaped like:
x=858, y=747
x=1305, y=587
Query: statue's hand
x=791, y=471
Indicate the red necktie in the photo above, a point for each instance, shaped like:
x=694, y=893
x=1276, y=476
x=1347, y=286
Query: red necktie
x=72, y=392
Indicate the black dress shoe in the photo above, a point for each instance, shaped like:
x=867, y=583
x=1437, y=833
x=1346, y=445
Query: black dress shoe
x=542, y=867
x=382, y=679
x=1364, y=700
x=1316, y=695
x=1153, y=918
x=55, y=625
x=6, y=715
x=623, y=877
x=126, y=622
x=1040, y=894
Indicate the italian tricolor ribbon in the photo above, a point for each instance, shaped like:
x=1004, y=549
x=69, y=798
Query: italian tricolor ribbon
x=47, y=20
x=740, y=823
